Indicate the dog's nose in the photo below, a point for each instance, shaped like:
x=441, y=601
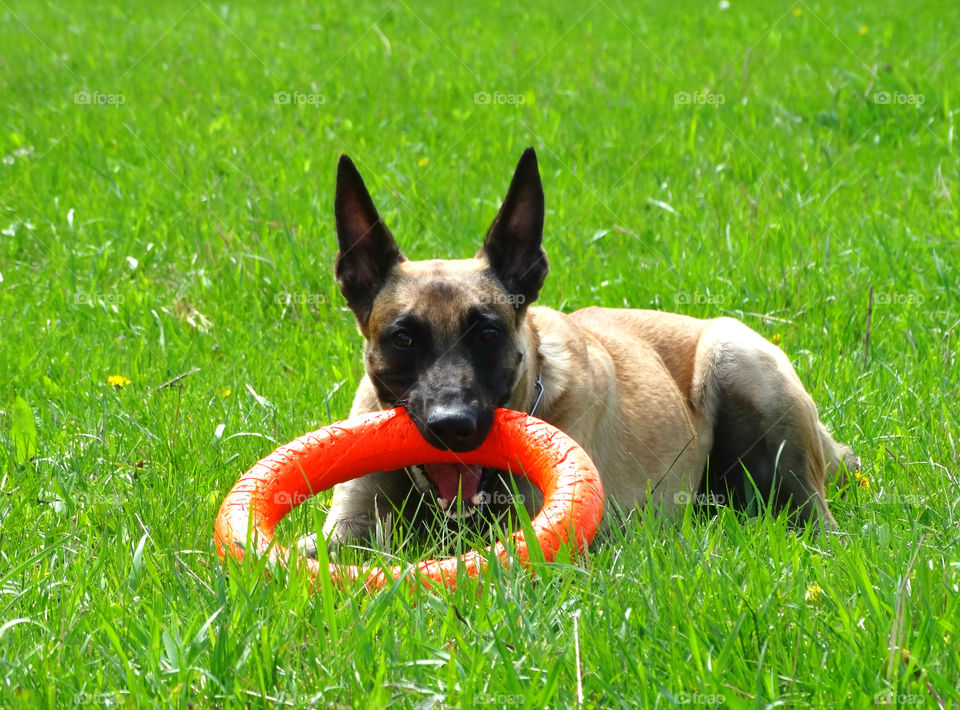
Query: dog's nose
x=454, y=429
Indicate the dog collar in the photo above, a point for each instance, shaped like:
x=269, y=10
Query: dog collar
x=536, y=402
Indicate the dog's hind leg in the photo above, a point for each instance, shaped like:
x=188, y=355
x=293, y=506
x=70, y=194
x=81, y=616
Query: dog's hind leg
x=765, y=424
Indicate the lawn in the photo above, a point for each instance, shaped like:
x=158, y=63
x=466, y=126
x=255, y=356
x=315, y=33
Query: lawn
x=166, y=191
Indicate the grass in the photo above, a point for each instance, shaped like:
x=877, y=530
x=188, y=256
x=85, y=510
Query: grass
x=711, y=161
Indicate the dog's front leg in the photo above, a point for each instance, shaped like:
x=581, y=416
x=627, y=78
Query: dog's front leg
x=362, y=512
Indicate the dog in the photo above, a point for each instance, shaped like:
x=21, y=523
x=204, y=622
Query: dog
x=671, y=409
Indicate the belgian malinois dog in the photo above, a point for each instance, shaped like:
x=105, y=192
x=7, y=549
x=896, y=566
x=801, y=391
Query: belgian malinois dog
x=671, y=409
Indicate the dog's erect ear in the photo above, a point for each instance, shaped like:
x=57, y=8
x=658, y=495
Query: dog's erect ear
x=513, y=243
x=367, y=249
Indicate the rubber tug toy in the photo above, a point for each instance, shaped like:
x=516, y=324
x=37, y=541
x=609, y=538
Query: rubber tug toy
x=389, y=440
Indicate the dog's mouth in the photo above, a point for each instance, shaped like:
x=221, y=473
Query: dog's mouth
x=456, y=487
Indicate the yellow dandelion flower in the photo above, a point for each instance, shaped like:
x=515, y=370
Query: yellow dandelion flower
x=813, y=593
x=423, y=161
x=776, y=339
x=226, y=393
x=863, y=30
x=797, y=12
x=861, y=480
x=118, y=381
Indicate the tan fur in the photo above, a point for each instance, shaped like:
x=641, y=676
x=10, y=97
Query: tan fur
x=640, y=391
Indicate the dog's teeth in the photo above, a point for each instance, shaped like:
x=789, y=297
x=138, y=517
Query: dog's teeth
x=443, y=503
x=457, y=514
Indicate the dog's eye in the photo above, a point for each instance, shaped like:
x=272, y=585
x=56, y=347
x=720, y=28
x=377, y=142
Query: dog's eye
x=489, y=333
x=402, y=339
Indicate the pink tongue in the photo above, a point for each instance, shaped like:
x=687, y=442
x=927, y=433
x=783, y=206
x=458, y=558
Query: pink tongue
x=455, y=478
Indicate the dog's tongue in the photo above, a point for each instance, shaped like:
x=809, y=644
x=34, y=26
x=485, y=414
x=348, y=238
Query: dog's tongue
x=455, y=479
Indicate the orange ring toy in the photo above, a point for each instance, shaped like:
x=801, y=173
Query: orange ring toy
x=389, y=440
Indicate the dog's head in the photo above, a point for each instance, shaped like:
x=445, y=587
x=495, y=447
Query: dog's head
x=447, y=340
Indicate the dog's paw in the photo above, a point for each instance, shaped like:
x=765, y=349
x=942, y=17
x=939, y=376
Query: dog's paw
x=850, y=459
x=842, y=466
x=844, y=470
x=307, y=546
x=362, y=531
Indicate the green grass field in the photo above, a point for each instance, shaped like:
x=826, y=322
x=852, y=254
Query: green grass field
x=166, y=193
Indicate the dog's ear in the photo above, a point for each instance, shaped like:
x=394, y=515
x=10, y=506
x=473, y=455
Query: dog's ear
x=367, y=249
x=513, y=243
